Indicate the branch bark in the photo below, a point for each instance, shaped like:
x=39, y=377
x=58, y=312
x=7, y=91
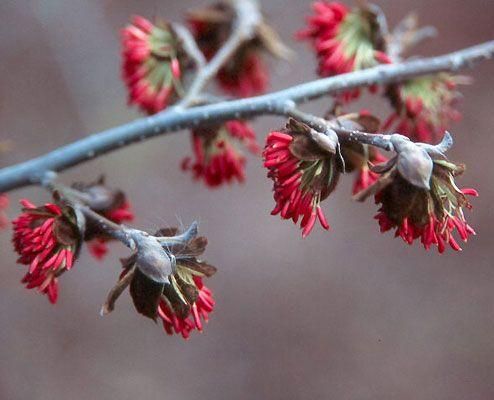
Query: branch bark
x=276, y=103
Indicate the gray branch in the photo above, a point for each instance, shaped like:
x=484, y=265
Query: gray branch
x=30, y=172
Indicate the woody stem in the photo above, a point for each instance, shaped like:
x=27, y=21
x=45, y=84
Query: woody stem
x=382, y=141
x=31, y=172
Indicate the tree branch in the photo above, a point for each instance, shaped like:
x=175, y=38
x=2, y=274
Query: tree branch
x=276, y=103
x=248, y=17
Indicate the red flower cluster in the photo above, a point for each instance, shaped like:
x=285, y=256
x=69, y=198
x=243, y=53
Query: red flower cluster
x=218, y=158
x=4, y=203
x=184, y=324
x=182, y=303
x=344, y=40
x=47, y=240
x=152, y=64
x=303, y=173
x=429, y=215
x=425, y=106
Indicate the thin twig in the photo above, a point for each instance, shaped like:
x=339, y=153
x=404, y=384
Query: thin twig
x=407, y=35
x=190, y=46
x=247, y=18
x=344, y=135
x=30, y=172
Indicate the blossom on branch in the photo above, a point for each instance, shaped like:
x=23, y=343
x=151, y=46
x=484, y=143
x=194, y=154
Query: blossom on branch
x=430, y=212
x=184, y=303
x=152, y=64
x=245, y=74
x=47, y=238
x=218, y=156
x=424, y=106
x=344, y=40
x=305, y=169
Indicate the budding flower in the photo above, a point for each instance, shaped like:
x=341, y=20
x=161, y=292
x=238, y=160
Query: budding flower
x=430, y=214
x=304, y=173
x=182, y=304
x=344, y=40
x=47, y=239
x=424, y=106
x=245, y=74
x=152, y=64
x=4, y=203
x=218, y=158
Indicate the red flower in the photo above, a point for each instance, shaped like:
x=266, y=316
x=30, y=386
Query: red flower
x=183, y=303
x=304, y=174
x=47, y=240
x=152, y=64
x=425, y=106
x=429, y=215
x=218, y=158
x=184, y=324
x=4, y=203
x=344, y=40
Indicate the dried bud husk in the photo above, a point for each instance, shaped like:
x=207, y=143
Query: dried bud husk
x=413, y=162
x=152, y=260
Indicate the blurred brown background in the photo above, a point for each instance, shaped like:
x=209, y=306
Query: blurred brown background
x=350, y=314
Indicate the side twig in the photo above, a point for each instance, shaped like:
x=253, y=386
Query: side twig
x=248, y=16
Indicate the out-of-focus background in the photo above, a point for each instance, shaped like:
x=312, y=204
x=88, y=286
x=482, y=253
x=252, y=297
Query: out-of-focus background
x=349, y=314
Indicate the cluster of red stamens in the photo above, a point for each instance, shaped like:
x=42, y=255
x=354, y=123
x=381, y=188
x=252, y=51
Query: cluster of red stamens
x=151, y=67
x=342, y=40
x=199, y=312
x=295, y=196
x=217, y=155
x=38, y=240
